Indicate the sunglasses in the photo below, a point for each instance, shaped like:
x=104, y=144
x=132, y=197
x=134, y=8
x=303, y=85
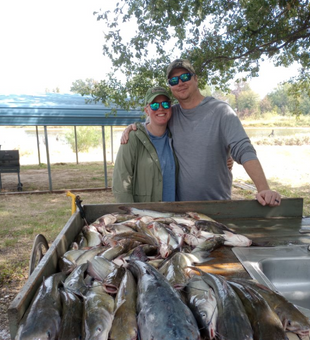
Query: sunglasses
x=184, y=77
x=155, y=106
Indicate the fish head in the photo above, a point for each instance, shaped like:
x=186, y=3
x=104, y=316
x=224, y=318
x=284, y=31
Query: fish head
x=96, y=332
x=165, y=250
x=46, y=329
x=298, y=324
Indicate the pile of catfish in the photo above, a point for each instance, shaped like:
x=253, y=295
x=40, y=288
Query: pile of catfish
x=135, y=276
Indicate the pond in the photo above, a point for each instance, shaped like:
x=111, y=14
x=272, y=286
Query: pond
x=24, y=139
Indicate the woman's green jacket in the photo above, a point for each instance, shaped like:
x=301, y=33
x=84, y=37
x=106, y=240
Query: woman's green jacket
x=137, y=175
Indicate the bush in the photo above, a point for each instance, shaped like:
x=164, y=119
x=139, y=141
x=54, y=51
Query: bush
x=296, y=140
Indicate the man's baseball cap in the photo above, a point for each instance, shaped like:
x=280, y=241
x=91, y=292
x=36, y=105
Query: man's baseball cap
x=153, y=92
x=180, y=63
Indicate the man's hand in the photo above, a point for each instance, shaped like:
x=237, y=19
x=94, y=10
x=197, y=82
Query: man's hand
x=265, y=196
x=125, y=134
x=269, y=197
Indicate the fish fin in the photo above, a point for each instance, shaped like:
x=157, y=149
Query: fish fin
x=90, y=271
x=43, y=283
x=228, y=233
x=119, y=305
x=224, y=227
x=196, y=269
x=126, y=209
x=199, y=258
x=193, y=215
x=138, y=254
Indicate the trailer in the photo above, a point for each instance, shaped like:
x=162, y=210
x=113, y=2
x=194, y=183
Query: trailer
x=277, y=225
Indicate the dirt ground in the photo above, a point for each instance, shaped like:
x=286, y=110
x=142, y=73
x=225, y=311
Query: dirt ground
x=283, y=165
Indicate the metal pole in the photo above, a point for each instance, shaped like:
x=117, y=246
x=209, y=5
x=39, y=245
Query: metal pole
x=48, y=160
x=112, y=155
x=76, y=146
x=0, y=177
x=104, y=159
x=38, y=144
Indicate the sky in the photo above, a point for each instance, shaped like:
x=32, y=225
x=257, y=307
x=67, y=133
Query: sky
x=48, y=44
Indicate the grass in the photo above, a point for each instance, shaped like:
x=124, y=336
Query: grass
x=15, y=271
x=10, y=242
x=274, y=120
x=64, y=176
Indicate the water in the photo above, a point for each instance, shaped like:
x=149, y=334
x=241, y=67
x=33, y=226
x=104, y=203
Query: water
x=24, y=139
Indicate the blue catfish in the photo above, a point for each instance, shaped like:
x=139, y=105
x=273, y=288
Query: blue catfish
x=161, y=313
x=292, y=319
x=72, y=316
x=98, y=313
x=264, y=320
x=233, y=322
x=43, y=317
x=202, y=301
x=124, y=325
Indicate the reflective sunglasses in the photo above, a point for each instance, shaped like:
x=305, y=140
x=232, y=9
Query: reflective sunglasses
x=165, y=105
x=184, y=77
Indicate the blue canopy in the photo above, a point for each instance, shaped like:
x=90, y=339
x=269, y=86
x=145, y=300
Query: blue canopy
x=54, y=109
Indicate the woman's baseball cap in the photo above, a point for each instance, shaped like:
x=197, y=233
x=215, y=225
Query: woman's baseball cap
x=153, y=92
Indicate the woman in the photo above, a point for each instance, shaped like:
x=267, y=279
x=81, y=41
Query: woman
x=146, y=167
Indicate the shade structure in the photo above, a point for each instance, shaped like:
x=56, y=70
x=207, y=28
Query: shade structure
x=54, y=109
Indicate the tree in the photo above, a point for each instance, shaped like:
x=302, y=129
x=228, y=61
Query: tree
x=83, y=87
x=222, y=38
x=265, y=105
x=246, y=100
x=279, y=99
x=247, y=103
x=229, y=98
x=305, y=105
x=240, y=86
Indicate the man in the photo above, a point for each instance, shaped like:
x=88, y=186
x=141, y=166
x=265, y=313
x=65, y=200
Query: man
x=205, y=132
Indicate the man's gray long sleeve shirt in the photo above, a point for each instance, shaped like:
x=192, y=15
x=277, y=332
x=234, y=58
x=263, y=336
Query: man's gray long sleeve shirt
x=203, y=138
